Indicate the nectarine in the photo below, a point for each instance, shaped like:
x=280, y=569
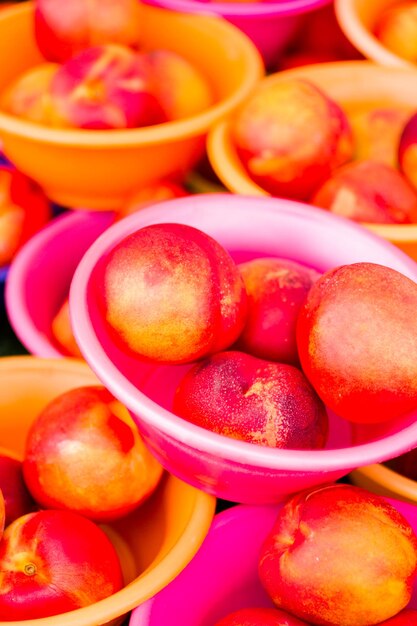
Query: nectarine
x=17, y=498
x=357, y=341
x=84, y=453
x=339, y=555
x=396, y=28
x=171, y=293
x=240, y=396
x=62, y=331
x=260, y=617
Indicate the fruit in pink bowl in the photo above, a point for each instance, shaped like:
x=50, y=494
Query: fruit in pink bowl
x=170, y=293
x=260, y=617
x=17, y=498
x=369, y=191
x=357, y=340
x=290, y=136
x=52, y=562
x=339, y=555
x=63, y=30
x=276, y=289
x=181, y=89
x=262, y=402
x=29, y=96
x=84, y=453
x=105, y=87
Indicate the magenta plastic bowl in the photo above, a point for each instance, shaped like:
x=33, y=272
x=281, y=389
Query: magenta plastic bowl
x=39, y=277
x=231, y=469
x=270, y=24
x=223, y=575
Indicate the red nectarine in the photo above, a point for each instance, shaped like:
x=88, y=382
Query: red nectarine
x=240, y=396
x=260, y=617
x=171, y=293
x=84, y=453
x=339, y=555
x=396, y=28
x=357, y=341
x=17, y=498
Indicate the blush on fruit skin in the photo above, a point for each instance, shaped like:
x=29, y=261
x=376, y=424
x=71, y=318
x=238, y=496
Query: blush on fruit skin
x=276, y=289
x=396, y=28
x=2, y=514
x=357, y=341
x=407, y=150
x=369, y=191
x=17, y=498
x=260, y=617
x=339, y=555
x=29, y=96
x=243, y=397
x=407, y=617
x=181, y=88
x=105, y=87
x=24, y=209
x=171, y=293
x=52, y=562
x=290, y=136
x=63, y=30
x=84, y=453
x=377, y=133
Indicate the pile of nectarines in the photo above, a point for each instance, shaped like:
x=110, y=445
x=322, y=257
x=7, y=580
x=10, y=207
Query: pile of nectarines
x=337, y=555
x=84, y=463
x=95, y=76
x=296, y=142
x=269, y=342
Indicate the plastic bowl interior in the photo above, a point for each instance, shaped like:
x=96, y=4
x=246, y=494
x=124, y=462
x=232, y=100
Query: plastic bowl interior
x=231, y=551
x=155, y=542
x=271, y=25
x=40, y=276
x=357, y=19
x=98, y=169
x=235, y=470
x=355, y=85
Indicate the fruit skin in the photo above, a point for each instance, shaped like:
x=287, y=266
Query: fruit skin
x=171, y=293
x=339, y=555
x=408, y=617
x=63, y=30
x=52, y=562
x=396, y=28
x=2, y=514
x=84, y=453
x=180, y=88
x=369, y=191
x=29, y=95
x=407, y=150
x=24, y=209
x=105, y=87
x=290, y=136
x=62, y=332
x=17, y=498
x=276, y=289
x=151, y=194
x=240, y=396
x=260, y=617
x=357, y=341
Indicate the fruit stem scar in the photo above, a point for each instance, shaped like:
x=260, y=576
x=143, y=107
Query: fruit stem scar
x=30, y=569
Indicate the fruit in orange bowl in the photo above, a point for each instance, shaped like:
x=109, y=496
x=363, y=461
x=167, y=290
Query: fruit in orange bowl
x=154, y=542
x=101, y=169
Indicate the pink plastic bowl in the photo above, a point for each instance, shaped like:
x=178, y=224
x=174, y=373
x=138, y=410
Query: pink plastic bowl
x=223, y=577
x=231, y=469
x=270, y=24
x=40, y=275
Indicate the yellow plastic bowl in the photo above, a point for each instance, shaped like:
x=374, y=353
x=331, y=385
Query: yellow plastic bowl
x=98, y=169
x=384, y=481
x=357, y=19
x=154, y=543
x=353, y=84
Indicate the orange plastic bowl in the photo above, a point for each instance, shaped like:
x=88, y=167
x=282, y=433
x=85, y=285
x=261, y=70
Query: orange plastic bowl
x=154, y=543
x=357, y=19
x=354, y=85
x=98, y=169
